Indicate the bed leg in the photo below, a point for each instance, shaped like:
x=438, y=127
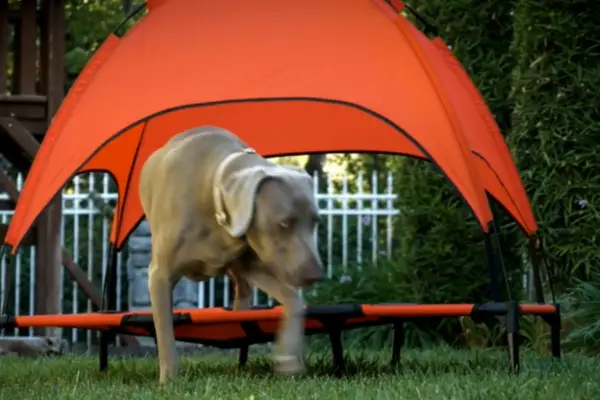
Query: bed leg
x=103, y=354
x=554, y=321
x=109, y=304
x=243, y=359
x=398, y=342
x=555, y=333
x=335, y=337
x=512, y=333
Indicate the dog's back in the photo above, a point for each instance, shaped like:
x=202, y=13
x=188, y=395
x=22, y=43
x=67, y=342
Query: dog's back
x=181, y=157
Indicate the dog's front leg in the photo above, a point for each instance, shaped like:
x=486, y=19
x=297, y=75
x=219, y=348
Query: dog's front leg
x=160, y=287
x=243, y=291
x=290, y=337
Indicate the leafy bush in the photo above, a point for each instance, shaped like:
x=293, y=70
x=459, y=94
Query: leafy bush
x=556, y=131
x=441, y=239
x=583, y=315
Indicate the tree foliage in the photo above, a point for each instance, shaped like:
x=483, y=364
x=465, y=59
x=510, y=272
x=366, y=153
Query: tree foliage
x=89, y=22
x=556, y=127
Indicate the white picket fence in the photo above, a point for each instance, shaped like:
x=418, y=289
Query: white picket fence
x=85, y=230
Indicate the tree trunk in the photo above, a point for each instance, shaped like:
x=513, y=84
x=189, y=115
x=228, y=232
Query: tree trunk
x=315, y=164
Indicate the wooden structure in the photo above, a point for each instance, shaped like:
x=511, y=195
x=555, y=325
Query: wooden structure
x=34, y=35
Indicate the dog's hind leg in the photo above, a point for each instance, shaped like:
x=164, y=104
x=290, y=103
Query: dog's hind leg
x=242, y=289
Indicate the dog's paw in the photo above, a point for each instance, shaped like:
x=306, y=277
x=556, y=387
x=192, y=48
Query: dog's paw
x=166, y=377
x=289, y=365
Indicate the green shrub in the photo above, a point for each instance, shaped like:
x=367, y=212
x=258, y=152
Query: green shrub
x=582, y=316
x=556, y=127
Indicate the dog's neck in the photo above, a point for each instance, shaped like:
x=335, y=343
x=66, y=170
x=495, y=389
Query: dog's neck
x=220, y=213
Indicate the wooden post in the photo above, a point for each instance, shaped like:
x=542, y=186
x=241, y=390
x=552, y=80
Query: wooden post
x=3, y=46
x=25, y=71
x=25, y=78
x=49, y=254
x=52, y=74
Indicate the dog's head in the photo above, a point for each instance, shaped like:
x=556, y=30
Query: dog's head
x=274, y=207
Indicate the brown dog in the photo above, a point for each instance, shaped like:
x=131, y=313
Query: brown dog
x=214, y=206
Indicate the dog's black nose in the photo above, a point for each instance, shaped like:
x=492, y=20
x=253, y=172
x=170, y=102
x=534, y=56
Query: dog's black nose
x=311, y=274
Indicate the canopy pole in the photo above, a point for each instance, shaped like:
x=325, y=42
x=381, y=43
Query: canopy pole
x=536, y=256
x=496, y=232
x=492, y=269
x=131, y=14
x=549, y=271
x=8, y=283
x=109, y=304
x=428, y=27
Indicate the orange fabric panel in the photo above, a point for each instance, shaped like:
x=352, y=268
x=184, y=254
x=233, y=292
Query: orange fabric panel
x=489, y=142
x=262, y=125
x=496, y=188
x=117, y=157
x=499, y=174
x=272, y=326
x=537, y=309
x=418, y=310
x=152, y=4
x=223, y=332
x=20, y=225
x=220, y=315
x=84, y=321
x=397, y=4
x=471, y=185
x=343, y=50
x=472, y=125
x=362, y=320
x=392, y=9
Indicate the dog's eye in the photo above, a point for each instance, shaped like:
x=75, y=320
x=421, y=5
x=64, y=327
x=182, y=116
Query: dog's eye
x=286, y=223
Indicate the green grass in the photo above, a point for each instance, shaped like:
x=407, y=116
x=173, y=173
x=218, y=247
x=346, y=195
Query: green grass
x=426, y=374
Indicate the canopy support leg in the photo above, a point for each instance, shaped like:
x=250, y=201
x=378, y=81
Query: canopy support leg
x=109, y=304
x=492, y=268
x=398, y=342
x=554, y=320
x=243, y=358
x=337, y=349
x=512, y=335
x=6, y=296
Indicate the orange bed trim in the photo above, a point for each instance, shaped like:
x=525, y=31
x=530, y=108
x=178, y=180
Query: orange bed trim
x=221, y=325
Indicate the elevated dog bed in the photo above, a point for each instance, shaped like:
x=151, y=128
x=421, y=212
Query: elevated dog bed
x=226, y=329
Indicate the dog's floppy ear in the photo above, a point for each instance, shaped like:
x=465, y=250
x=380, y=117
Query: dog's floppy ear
x=300, y=174
x=239, y=195
x=240, y=188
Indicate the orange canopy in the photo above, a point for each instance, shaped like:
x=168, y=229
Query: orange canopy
x=288, y=77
